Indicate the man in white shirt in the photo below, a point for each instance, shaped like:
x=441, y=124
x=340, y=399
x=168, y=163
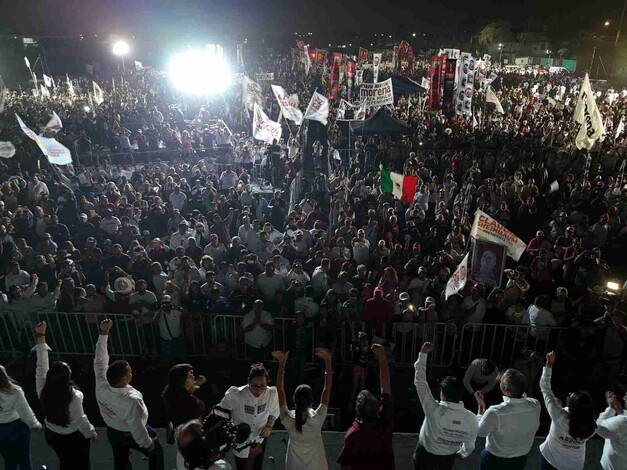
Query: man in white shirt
x=448, y=430
x=123, y=409
x=228, y=179
x=510, y=427
x=181, y=238
x=612, y=426
x=110, y=224
x=16, y=276
x=178, y=199
x=170, y=323
x=257, y=326
x=269, y=283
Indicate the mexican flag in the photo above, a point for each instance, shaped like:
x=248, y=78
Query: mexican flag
x=403, y=187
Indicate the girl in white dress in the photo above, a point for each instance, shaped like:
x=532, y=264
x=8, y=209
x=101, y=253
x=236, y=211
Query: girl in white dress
x=305, y=449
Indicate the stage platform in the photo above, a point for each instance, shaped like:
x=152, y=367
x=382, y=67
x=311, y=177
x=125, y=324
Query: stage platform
x=102, y=458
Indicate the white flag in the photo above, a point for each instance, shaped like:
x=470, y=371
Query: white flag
x=555, y=186
x=307, y=60
x=263, y=127
x=56, y=152
x=486, y=228
x=47, y=81
x=289, y=111
x=27, y=62
x=35, y=81
x=44, y=91
x=376, y=63
x=98, y=94
x=55, y=124
x=588, y=115
x=619, y=129
x=7, y=150
x=70, y=87
x=425, y=83
x=490, y=97
x=318, y=109
x=138, y=65
x=458, y=280
x=251, y=93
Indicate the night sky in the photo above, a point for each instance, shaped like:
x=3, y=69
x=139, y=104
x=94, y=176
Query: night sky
x=255, y=17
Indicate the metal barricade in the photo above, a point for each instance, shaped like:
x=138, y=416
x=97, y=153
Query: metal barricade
x=503, y=344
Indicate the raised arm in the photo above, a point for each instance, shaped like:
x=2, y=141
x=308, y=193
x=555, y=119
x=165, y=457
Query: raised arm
x=427, y=401
x=42, y=357
x=101, y=361
x=325, y=355
x=545, y=386
x=280, y=377
x=384, y=372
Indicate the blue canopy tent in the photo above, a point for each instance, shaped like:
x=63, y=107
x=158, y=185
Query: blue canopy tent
x=380, y=123
x=406, y=86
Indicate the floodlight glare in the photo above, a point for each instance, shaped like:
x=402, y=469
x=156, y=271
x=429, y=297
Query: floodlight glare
x=613, y=285
x=200, y=72
x=121, y=48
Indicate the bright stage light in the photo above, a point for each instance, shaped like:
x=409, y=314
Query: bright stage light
x=121, y=48
x=200, y=72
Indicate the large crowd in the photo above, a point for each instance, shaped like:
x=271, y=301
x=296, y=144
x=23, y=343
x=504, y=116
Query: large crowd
x=196, y=229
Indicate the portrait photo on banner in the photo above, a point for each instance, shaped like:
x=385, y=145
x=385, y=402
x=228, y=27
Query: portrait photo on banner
x=488, y=262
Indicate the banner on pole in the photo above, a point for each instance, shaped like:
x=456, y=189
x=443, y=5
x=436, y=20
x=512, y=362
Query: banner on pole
x=363, y=54
x=376, y=64
x=56, y=152
x=486, y=228
x=350, y=112
x=465, y=81
x=458, y=280
x=436, y=80
x=318, y=109
x=307, y=59
x=251, y=93
x=588, y=115
x=320, y=56
x=334, y=75
x=289, y=112
x=98, y=94
x=263, y=127
x=264, y=77
x=376, y=94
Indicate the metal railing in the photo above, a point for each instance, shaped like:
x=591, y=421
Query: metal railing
x=503, y=344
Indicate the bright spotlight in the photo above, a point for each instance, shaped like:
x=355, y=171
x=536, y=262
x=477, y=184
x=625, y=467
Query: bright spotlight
x=200, y=72
x=121, y=48
x=613, y=285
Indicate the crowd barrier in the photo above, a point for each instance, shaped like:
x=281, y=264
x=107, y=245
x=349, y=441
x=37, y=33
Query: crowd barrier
x=223, y=336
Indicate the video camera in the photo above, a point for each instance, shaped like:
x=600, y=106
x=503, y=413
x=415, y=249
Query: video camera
x=213, y=439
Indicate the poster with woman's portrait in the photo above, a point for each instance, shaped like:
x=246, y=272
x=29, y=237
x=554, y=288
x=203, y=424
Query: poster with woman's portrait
x=488, y=263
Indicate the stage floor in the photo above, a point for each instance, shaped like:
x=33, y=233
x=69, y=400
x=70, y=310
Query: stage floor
x=102, y=458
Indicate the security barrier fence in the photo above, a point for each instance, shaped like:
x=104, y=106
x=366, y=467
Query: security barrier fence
x=222, y=335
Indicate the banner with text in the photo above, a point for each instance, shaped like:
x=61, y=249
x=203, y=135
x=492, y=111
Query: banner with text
x=251, y=93
x=289, y=112
x=486, y=228
x=376, y=94
x=264, y=77
x=334, y=75
x=436, y=79
x=263, y=127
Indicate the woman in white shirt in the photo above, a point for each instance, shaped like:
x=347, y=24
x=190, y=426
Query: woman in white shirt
x=305, y=449
x=571, y=427
x=68, y=430
x=17, y=420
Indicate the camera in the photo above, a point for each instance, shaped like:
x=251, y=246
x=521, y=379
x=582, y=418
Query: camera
x=212, y=439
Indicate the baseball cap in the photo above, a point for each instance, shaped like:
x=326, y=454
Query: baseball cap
x=403, y=296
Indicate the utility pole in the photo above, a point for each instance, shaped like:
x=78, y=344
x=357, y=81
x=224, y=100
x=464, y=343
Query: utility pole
x=620, y=25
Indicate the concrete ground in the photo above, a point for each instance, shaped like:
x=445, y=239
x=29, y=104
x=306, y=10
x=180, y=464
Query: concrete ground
x=102, y=458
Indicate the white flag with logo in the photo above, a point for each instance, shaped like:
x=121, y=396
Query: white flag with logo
x=7, y=150
x=307, y=60
x=251, y=93
x=619, y=129
x=289, y=111
x=458, y=280
x=490, y=97
x=318, y=109
x=56, y=152
x=98, y=94
x=263, y=128
x=588, y=115
x=376, y=64
x=70, y=87
x=47, y=81
x=138, y=65
x=55, y=124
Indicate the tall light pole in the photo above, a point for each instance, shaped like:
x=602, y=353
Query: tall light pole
x=121, y=48
x=500, y=53
x=620, y=25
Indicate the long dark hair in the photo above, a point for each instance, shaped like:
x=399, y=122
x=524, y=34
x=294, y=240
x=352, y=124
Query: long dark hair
x=175, y=389
x=581, y=422
x=303, y=399
x=57, y=394
x=7, y=384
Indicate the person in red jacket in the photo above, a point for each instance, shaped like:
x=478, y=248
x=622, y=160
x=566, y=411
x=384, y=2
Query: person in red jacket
x=378, y=309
